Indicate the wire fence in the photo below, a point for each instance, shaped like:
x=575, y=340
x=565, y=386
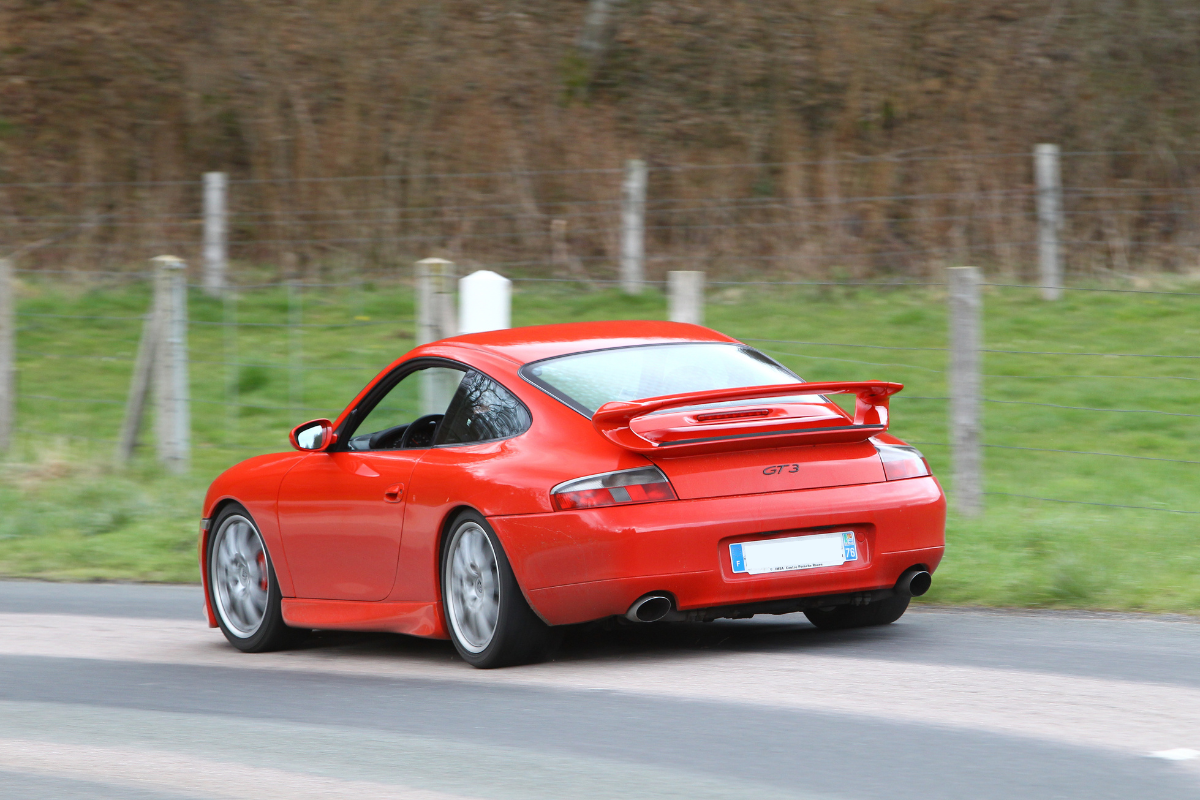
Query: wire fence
x=320, y=295
x=265, y=356
x=863, y=217
x=1079, y=424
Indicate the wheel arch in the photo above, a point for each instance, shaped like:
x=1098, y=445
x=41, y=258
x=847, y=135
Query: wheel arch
x=443, y=537
x=444, y=529
x=206, y=533
x=218, y=508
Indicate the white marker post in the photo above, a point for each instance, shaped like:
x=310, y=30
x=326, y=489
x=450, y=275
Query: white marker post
x=484, y=302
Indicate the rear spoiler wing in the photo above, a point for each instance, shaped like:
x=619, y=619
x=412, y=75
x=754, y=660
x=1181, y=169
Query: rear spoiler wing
x=744, y=428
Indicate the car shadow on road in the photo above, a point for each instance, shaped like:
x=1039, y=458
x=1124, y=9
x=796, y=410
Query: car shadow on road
x=784, y=634
x=617, y=639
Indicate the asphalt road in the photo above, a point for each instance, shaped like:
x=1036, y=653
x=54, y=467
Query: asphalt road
x=116, y=691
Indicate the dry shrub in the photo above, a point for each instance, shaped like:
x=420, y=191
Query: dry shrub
x=898, y=99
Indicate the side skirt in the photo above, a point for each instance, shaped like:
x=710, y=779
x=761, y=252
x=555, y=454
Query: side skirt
x=414, y=618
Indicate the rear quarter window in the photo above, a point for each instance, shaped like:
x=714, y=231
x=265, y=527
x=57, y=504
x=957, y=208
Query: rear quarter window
x=483, y=410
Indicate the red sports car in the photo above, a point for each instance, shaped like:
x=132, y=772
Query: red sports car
x=491, y=486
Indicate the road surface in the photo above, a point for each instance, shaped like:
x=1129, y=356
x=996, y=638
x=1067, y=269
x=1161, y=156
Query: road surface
x=121, y=691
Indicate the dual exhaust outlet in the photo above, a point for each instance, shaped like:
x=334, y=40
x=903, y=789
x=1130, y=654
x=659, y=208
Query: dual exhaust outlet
x=653, y=607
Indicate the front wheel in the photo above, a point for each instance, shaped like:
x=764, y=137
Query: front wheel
x=242, y=586
x=881, y=612
x=488, y=619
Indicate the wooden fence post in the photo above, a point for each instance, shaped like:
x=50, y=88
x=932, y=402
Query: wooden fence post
x=295, y=306
x=139, y=385
x=633, y=227
x=232, y=370
x=216, y=226
x=965, y=384
x=436, y=285
x=685, y=296
x=435, y=299
x=560, y=253
x=8, y=353
x=170, y=373
x=162, y=366
x=1050, y=219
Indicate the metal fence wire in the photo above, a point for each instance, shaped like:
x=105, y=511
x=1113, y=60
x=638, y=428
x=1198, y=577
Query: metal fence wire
x=864, y=217
x=317, y=296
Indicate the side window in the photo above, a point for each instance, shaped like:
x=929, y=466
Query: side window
x=409, y=414
x=482, y=410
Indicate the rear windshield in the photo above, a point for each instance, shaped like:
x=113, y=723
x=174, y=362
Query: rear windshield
x=586, y=381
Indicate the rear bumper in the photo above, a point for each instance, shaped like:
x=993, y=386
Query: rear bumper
x=576, y=566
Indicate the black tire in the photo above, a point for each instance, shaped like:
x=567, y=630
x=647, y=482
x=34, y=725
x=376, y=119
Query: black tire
x=517, y=635
x=271, y=633
x=881, y=612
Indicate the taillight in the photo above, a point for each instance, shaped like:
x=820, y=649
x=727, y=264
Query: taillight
x=641, y=485
x=901, y=461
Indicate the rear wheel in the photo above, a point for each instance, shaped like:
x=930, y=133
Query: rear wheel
x=488, y=619
x=242, y=586
x=881, y=612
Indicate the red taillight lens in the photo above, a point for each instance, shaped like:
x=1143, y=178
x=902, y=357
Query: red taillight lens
x=642, y=485
x=901, y=461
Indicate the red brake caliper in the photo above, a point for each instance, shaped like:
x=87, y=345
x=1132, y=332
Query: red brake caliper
x=262, y=571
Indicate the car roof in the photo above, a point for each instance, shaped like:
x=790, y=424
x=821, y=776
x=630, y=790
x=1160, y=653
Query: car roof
x=536, y=342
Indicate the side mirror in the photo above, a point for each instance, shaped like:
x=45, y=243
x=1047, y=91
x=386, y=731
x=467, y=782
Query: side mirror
x=313, y=436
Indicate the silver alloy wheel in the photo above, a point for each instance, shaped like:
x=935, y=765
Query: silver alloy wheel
x=473, y=583
x=239, y=576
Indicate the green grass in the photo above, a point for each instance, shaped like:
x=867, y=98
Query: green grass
x=65, y=513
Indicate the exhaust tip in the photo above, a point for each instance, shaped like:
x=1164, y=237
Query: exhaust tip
x=650, y=608
x=914, y=582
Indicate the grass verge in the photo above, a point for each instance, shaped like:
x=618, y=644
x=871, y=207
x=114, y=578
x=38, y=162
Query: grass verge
x=66, y=513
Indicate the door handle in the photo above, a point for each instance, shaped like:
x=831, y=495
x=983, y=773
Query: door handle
x=394, y=493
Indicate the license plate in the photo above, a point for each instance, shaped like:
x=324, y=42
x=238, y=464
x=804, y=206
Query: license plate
x=793, y=553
